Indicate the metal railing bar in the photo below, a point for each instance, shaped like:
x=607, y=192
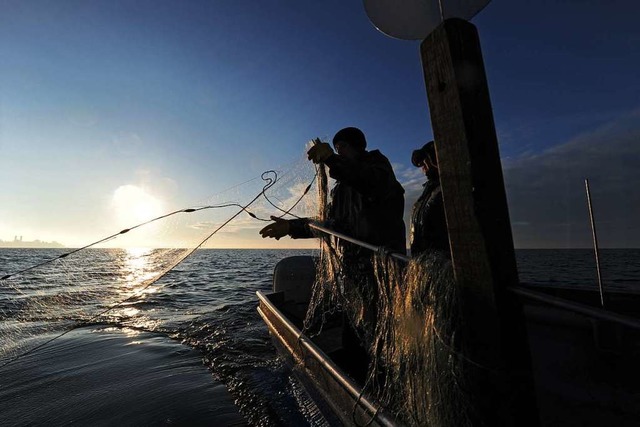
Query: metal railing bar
x=576, y=307
x=565, y=304
x=366, y=245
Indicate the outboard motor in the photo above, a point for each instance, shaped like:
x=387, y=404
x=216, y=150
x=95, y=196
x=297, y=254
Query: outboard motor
x=294, y=277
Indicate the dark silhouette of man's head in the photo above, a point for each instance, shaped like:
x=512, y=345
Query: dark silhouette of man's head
x=425, y=158
x=351, y=136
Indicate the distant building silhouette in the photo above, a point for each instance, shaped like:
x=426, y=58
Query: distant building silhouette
x=19, y=243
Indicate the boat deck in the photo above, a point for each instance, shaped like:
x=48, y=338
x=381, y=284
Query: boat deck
x=585, y=370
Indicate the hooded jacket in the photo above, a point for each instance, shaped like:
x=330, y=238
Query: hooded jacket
x=367, y=203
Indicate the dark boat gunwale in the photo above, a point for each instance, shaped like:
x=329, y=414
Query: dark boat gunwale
x=310, y=358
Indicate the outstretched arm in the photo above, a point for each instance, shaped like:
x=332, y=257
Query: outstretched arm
x=277, y=229
x=296, y=228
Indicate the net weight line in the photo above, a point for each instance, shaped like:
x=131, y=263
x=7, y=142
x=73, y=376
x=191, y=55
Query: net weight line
x=270, y=177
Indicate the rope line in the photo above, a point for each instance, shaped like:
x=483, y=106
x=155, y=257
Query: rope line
x=288, y=211
x=187, y=210
x=265, y=176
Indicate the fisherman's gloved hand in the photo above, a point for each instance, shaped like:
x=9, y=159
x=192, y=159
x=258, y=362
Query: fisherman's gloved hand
x=320, y=152
x=277, y=229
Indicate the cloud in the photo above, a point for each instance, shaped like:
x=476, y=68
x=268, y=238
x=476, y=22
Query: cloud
x=546, y=191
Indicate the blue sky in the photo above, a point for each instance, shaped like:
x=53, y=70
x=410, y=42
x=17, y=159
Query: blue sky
x=113, y=110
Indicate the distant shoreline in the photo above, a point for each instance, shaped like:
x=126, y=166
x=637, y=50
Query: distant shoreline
x=36, y=244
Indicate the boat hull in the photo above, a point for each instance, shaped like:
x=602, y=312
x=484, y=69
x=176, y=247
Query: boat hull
x=338, y=397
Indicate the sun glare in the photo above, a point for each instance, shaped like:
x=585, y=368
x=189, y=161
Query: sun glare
x=133, y=205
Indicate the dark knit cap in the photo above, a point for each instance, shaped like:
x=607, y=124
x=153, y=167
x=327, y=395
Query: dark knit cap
x=352, y=136
x=427, y=150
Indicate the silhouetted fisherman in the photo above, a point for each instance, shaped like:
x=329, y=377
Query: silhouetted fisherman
x=428, y=222
x=367, y=203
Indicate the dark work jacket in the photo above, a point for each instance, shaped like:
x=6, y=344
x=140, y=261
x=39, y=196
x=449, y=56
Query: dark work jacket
x=428, y=222
x=367, y=203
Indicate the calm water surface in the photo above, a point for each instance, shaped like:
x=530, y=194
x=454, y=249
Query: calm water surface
x=191, y=348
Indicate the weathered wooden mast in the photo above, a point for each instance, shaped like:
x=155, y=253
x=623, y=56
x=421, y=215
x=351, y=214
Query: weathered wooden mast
x=494, y=340
x=494, y=335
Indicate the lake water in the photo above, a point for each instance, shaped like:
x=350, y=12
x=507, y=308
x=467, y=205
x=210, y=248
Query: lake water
x=189, y=349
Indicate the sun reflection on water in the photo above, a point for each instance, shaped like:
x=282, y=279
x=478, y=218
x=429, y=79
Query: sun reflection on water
x=130, y=312
x=138, y=268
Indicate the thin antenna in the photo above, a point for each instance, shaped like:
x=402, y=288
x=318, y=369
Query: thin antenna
x=595, y=241
x=441, y=10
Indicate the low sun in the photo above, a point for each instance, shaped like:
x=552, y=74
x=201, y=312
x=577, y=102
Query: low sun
x=133, y=205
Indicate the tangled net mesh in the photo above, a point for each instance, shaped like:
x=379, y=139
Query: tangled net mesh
x=408, y=318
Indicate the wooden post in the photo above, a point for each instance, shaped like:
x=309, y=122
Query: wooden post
x=494, y=335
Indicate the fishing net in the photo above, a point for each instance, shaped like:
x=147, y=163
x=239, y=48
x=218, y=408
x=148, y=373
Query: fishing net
x=407, y=317
x=417, y=342
x=344, y=284
x=46, y=293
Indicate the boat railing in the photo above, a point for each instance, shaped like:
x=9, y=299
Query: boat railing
x=576, y=307
x=374, y=248
x=521, y=291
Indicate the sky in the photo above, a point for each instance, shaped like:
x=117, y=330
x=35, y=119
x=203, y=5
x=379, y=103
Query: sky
x=114, y=112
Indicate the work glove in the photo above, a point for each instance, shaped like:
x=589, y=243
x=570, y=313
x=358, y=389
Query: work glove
x=277, y=229
x=320, y=152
